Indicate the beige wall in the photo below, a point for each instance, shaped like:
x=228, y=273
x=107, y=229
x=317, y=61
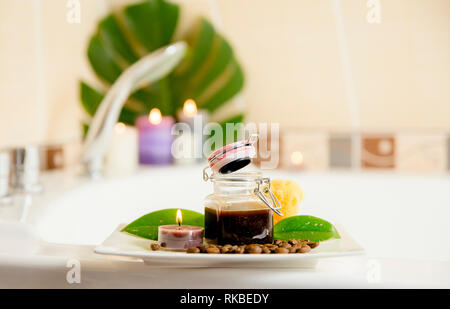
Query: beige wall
x=304, y=68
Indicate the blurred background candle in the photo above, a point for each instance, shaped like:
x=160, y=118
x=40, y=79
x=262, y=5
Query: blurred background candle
x=122, y=156
x=196, y=119
x=155, y=138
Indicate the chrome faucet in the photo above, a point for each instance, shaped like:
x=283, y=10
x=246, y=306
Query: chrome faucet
x=145, y=71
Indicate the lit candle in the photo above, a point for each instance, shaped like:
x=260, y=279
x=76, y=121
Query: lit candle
x=155, y=138
x=122, y=156
x=180, y=236
x=196, y=119
x=297, y=159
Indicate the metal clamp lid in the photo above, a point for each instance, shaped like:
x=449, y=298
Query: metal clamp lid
x=233, y=157
x=264, y=184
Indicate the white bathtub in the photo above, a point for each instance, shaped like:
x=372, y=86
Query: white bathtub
x=400, y=216
x=401, y=221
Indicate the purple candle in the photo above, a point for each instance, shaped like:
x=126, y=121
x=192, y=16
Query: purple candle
x=180, y=236
x=155, y=138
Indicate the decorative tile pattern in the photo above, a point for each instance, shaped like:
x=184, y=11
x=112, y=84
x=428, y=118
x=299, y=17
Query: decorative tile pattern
x=304, y=150
x=378, y=152
x=340, y=151
x=422, y=152
x=54, y=157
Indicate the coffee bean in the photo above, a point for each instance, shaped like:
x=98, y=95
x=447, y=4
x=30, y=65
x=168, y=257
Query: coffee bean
x=282, y=250
x=225, y=250
x=203, y=248
x=193, y=250
x=266, y=250
x=313, y=244
x=212, y=250
x=279, y=246
x=240, y=250
x=304, y=249
x=155, y=247
x=254, y=250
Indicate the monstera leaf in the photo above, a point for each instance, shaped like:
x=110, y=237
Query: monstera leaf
x=209, y=74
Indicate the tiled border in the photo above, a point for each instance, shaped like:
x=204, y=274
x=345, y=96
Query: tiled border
x=422, y=152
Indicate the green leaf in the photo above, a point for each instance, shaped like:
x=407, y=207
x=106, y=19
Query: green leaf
x=102, y=60
x=152, y=22
x=223, y=55
x=111, y=34
x=233, y=85
x=202, y=41
x=84, y=129
x=128, y=116
x=147, y=225
x=210, y=73
x=90, y=98
x=305, y=228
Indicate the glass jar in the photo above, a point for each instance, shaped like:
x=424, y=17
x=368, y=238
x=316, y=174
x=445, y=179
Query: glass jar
x=238, y=212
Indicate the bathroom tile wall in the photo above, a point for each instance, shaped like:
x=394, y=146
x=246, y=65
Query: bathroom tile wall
x=317, y=65
x=378, y=151
x=422, y=152
x=340, y=151
x=304, y=150
x=407, y=151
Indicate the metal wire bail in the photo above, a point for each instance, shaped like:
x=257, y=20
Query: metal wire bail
x=206, y=177
x=275, y=205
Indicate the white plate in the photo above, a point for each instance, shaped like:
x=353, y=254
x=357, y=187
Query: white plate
x=125, y=245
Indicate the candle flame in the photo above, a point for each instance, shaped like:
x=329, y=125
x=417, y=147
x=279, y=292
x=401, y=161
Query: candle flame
x=297, y=158
x=179, y=217
x=155, y=116
x=120, y=127
x=189, y=107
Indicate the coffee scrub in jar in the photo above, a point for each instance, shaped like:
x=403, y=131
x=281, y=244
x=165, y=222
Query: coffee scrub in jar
x=240, y=209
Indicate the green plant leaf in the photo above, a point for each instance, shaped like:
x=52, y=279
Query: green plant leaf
x=152, y=22
x=90, y=98
x=305, y=228
x=201, y=41
x=112, y=35
x=222, y=55
x=147, y=225
x=233, y=84
x=210, y=73
x=102, y=60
